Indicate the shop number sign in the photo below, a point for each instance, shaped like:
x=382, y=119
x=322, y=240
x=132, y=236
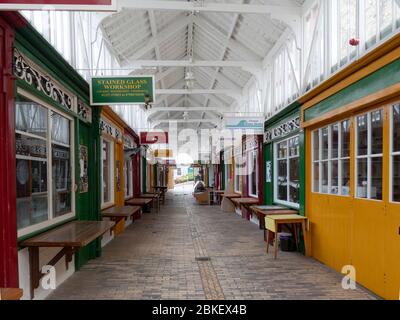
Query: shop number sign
x=122, y=90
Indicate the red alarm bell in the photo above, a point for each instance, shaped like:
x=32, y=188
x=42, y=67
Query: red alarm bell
x=354, y=42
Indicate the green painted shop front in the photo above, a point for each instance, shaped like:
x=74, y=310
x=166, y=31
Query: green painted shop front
x=283, y=131
x=44, y=76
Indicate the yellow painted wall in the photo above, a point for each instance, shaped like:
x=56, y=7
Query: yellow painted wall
x=358, y=232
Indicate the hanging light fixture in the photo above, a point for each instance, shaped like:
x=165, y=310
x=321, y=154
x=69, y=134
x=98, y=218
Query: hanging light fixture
x=189, y=79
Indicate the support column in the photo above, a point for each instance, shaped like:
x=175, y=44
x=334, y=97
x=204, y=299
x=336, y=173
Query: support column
x=8, y=215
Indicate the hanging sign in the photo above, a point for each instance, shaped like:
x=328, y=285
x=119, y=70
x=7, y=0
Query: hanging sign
x=163, y=153
x=75, y=5
x=153, y=137
x=122, y=90
x=247, y=123
x=282, y=130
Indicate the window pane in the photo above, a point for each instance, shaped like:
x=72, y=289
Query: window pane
x=377, y=131
x=376, y=178
x=61, y=175
x=31, y=118
x=335, y=141
x=324, y=177
x=106, y=171
x=282, y=150
x=316, y=144
x=396, y=179
x=31, y=192
x=294, y=147
x=60, y=129
x=30, y=147
x=362, y=179
x=345, y=132
x=316, y=177
x=325, y=143
x=362, y=135
x=396, y=128
x=294, y=185
x=254, y=175
x=345, y=177
x=282, y=180
x=335, y=178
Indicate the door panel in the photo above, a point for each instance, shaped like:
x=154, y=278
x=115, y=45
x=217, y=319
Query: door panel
x=392, y=252
x=368, y=244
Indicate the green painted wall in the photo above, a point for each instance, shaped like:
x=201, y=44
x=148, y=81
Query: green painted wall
x=88, y=204
x=379, y=80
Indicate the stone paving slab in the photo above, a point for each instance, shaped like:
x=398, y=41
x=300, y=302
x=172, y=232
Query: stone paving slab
x=155, y=258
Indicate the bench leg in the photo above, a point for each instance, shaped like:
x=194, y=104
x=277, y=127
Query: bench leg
x=267, y=232
x=34, y=270
x=276, y=243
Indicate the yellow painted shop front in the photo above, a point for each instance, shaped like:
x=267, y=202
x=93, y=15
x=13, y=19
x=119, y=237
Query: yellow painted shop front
x=352, y=126
x=112, y=162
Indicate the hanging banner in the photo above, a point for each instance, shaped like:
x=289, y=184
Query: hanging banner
x=248, y=123
x=72, y=5
x=122, y=90
x=153, y=137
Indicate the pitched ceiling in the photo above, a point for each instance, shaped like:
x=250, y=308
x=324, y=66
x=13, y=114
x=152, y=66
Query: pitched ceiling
x=167, y=35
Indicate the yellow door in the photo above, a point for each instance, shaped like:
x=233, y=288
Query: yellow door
x=368, y=244
x=392, y=252
x=392, y=226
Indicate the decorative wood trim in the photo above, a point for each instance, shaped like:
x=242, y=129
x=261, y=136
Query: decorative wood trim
x=377, y=58
x=365, y=102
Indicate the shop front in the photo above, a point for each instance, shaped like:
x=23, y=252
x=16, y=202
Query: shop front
x=352, y=126
x=55, y=138
x=283, y=160
x=112, y=164
x=131, y=164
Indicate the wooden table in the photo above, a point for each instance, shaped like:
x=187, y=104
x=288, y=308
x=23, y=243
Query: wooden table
x=141, y=202
x=272, y=224
x=154, y=196
x=10, y=294
x=262, y=211
x=70, y=237
x=117, y=214
x=231, y=196
x=245, y=203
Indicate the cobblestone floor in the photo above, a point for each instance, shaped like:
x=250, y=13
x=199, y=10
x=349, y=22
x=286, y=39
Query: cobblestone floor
x=198, y=252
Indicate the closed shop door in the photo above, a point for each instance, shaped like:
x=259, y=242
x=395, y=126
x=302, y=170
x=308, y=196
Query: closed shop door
x=392, y=225
x=86, y=194
x=370, y=193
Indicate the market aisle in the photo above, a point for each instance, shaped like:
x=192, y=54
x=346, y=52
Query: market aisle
x=198, y=252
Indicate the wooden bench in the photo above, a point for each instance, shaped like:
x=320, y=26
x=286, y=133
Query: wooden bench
x=140, y=202
x=245, y=203
x=10, y=294
x=273, y=223
x=117, y=214
x=71, y=237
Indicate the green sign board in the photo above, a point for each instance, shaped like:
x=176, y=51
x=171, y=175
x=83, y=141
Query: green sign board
x=122, y=90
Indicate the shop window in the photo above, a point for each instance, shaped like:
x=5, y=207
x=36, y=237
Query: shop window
x=43, y=166
x=287, y=182
x=253, y=173
x=61, y=165
x=369, y=158
x=128, y=174
x=331, y=159
x=107, y=171
x=395, y=153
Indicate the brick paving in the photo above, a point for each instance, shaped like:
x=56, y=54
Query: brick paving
x=155, y=258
